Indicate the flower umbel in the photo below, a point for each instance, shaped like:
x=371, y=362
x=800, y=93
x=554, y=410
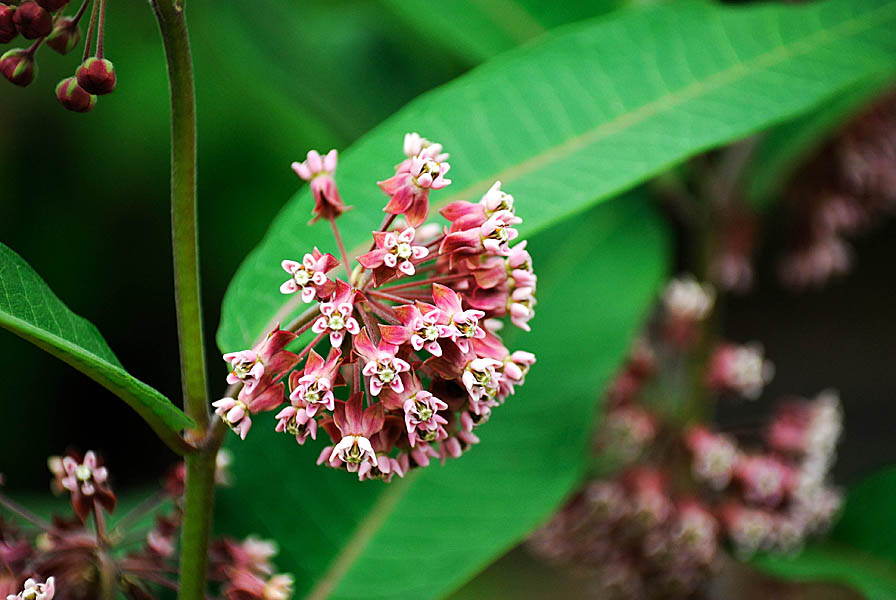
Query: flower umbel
x=414, y=361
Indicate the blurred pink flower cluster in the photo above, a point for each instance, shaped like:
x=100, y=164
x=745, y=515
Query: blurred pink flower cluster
x=403, y=358
x=674, y=486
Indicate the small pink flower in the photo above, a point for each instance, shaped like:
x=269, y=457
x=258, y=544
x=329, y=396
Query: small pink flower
x=649, y=498
x=382, y=366
x=308, y=275
x=265, y=363
x=749, y=529
x=422, y=419
x=765, y=479
x=416, y=145
x=463, y=325
x=482, y=380
x=394, y=252
x=422, y=330
x=714, y=456
x=312, y=388
x=741, y=369
x=36, y=591
x=470, y=213
x=337, y=316
x=242, y=584
x=409, y=187
x=87, y=481
x=237, y=412
x=319, y=172
x=357, y=426
x=297, y=422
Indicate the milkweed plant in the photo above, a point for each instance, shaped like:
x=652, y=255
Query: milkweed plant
x=391, y=356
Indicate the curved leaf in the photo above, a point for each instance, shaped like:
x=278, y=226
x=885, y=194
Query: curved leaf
x=786, y=146
x=579, y=116
x=32, y=311
x=860, y=551
x=422, y=536
x=479, y=30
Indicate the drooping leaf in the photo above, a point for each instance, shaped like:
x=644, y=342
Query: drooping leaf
x=479, y=30
x=860, y=551
x=584, y=114
x=784, y=148
x=32, y=311
x=422, y=536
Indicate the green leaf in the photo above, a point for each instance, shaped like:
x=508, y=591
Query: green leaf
x=860, y=551
x=785, y=147
x=581, y=115
x=422, y=536
x=479, y=30
x=32, y=311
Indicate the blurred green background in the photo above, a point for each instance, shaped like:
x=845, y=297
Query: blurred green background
x=83, y=198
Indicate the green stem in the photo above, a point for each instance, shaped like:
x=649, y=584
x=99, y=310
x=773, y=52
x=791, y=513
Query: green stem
x=173, y=24
x=200, y=466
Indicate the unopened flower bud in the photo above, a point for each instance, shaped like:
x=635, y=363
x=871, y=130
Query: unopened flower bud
x=66, y=35
x=17, y=66
x=96, y=76
x=52, y=5
x=33, y=21
x=8, y=31
x=73, y=97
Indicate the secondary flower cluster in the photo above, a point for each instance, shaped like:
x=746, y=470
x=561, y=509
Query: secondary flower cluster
x=402, y=361
x=68, y=558
x=43, y=21
x=678, y=486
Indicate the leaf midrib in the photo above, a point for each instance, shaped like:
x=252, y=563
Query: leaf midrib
x=638, y=115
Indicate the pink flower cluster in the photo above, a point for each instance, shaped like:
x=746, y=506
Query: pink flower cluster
x=402, y=361
x=674, y=473
x=69, y=558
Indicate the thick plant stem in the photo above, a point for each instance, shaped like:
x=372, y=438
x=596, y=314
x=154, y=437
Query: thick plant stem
x=200, y=466
x=197, y=524
x=173, y=24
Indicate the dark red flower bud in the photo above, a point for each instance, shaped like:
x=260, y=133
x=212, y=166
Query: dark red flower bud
x=8, y=31
x=73, y=97
x=52, y=5
x=17, y=66
x=66, y=35
x=96, y=76
x=33, y=21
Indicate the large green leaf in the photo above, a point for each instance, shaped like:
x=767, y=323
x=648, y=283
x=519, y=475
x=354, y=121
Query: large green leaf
x=422, y=536
x=785, y=147
x=860, y=551
x=32, y=311
x=479, y=30
x=581, y=115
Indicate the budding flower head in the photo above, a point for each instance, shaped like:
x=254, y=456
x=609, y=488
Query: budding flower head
x=97, y=76
x=36, y=591
x=8, y=31
x=66, y=35
x=33, y=21
x=18, y=66
x=73, y=97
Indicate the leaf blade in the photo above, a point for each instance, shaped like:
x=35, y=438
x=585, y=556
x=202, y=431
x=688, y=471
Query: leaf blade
x=30, y=309
x=613, y=118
